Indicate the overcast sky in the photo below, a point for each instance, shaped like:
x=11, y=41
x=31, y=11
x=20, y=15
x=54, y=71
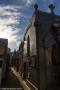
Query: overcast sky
x=14, y=16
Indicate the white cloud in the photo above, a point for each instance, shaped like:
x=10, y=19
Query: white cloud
x=7, y=21
x=10, y=11
x=13, y=45
x=29, y=2
x=9, y=16
x=7, y=31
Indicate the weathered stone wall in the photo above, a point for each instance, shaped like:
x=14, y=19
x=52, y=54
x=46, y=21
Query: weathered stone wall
x=32, y=74
x=32, y=35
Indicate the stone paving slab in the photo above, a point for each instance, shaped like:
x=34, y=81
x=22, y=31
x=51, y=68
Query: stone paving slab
x=17, y=75
x=10, y=82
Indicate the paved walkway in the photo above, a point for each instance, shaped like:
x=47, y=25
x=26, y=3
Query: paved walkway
x=11, y=82
x=23, y=83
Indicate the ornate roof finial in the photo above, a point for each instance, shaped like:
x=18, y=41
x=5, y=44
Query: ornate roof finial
x=36, y=6
x=52, y=7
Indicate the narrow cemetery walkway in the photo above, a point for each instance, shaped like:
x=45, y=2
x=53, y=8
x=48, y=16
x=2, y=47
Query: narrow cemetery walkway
x=11, y=82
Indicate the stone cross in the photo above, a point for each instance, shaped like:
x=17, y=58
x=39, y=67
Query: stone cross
x=52, y=7
x=36, y=7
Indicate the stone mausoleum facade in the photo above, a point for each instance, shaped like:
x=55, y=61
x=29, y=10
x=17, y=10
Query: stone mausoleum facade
x=42, y=50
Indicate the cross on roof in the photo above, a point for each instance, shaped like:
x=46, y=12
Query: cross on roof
x=36, y=5
x=52, y=7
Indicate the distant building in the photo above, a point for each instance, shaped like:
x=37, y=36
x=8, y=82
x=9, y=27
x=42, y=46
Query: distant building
x=9, y=57
x=39, y=49
x=3, y=57
x=15, y=59
x=21, y=54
